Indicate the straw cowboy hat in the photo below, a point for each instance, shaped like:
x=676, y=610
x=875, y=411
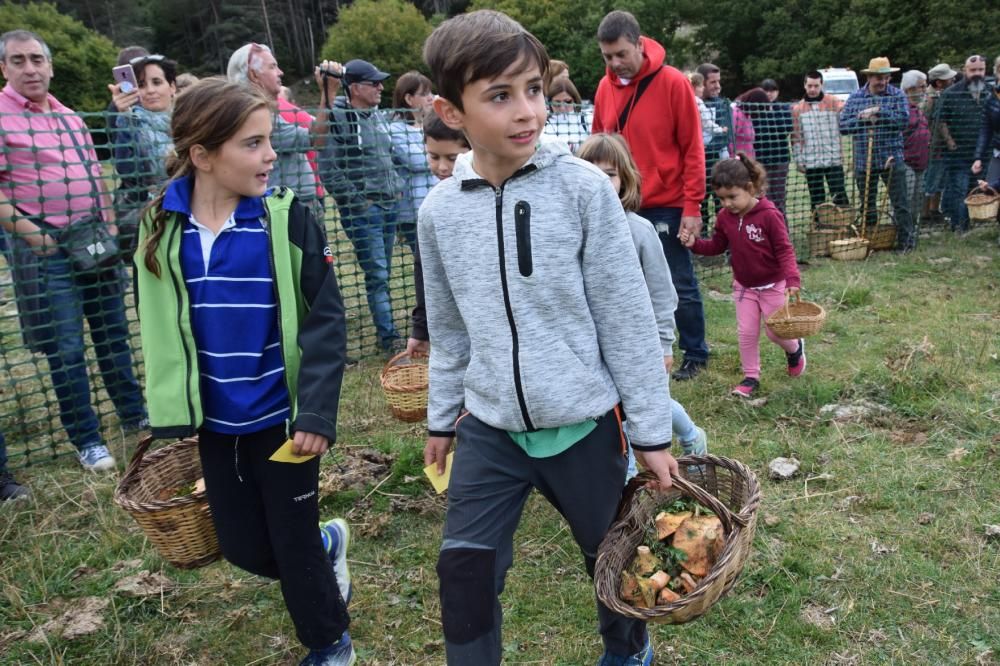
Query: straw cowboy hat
x=879, y=65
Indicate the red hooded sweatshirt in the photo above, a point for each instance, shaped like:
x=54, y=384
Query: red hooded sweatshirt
x=663, y=131
x=758, y=243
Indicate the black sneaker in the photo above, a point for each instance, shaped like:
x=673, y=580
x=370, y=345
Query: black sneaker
x=689, y=369
x=11, y=489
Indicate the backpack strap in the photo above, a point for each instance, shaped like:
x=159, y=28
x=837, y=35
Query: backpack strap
x=639, y=89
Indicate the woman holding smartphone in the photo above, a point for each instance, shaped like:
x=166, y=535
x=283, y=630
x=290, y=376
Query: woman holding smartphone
x=141, y=139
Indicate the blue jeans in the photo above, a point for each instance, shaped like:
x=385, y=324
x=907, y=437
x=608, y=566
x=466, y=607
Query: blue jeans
x=3, y=453
x=373, y=234
x=101, y=301
x=957, y=179
x=682, y=426
x=690, y=315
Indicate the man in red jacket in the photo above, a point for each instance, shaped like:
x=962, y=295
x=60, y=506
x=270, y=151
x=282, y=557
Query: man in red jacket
x=652, y=106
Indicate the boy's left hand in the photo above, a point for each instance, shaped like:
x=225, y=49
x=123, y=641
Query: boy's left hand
x=660, y=463
x=309, y=444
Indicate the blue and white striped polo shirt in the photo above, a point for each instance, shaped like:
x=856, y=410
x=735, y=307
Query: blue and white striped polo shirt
x=234, y=315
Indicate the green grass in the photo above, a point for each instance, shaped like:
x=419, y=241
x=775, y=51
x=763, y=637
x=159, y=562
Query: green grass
x=875, y=554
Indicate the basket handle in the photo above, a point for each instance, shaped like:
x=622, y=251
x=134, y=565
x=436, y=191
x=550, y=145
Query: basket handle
x=137, y=456
x=982, y=189
x=727, y=517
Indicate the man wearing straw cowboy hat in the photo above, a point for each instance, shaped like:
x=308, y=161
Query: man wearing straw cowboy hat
x=876, y=115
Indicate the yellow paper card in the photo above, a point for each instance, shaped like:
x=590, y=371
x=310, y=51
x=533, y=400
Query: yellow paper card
x=284, y=454
x=440, y=481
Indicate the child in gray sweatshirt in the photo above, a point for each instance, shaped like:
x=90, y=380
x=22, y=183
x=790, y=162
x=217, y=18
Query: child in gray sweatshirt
x=542, y=331
x=610, y=154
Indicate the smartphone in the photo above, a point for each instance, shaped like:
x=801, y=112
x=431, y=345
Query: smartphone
x=125, y=78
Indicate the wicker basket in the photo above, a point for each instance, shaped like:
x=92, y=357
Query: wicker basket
x=849, y=249
x=832, y=216
x=404, y=382
x=180, y=528
x=728, y=488
x=797, y=320
x=819, y=240
x=983, y=203
x=882, y=237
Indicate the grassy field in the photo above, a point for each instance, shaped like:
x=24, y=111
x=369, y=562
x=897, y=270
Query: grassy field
x=876, y=553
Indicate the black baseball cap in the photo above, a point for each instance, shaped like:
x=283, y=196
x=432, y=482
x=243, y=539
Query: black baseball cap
x=356, y=71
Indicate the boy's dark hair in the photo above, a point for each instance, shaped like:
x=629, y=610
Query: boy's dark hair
x=618, y=24
x=742, y=172
x=434, y=128
x=479, y=45
x=769, y=85
x=707, y=68
x=814, y=74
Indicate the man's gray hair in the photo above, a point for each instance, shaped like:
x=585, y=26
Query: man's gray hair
x=22, y=36
x=236, y=70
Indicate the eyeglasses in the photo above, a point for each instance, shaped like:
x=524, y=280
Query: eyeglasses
x=373, y=84
x=139, y=60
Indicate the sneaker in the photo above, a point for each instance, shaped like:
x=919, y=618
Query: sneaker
x=131, y=427
x=395, y=346
x=689, y=369
x=697, y=446
x=11, y=489
x=340, y=653
x=97, y=458
x=746, y=388
x=642, y=658
x=336, y=538
x=797, y=360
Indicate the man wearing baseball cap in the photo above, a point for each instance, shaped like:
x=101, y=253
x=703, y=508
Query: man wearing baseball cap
x=939, y=77
x=876, y=115
x=356, y=167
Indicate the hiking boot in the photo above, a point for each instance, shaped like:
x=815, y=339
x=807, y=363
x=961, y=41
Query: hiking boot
x=97, y=458
x=746, y=388
x=340, y=653
x=11, y=489
x=336, y=538
x=642, y=658
x=689, y=369
x=797, y=360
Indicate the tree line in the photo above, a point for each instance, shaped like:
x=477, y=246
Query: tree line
x=780, y=39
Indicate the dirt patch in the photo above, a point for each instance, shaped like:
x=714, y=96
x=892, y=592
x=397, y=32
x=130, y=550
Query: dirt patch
x=359, y=469
x=817, y=616
x=82, y=617
x=144, y=584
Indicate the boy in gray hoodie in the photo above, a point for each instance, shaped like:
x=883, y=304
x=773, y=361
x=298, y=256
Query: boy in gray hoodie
x=543, y=330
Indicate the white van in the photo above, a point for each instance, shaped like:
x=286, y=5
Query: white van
x=839, y=82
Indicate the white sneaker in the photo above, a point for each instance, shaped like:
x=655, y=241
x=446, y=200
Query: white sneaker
x=97, y=458
x=336, y=538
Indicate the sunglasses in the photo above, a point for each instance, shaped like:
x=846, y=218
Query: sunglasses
x=373, y=84
x=255, y=49
x=141, y=60
x=975, y=58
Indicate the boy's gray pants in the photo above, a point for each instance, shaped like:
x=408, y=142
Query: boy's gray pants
x=490, y=480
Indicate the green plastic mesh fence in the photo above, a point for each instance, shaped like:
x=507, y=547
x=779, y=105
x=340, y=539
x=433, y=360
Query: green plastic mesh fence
x=72, y=362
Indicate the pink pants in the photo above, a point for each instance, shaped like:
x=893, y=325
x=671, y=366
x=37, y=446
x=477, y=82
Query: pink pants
x=753, y=306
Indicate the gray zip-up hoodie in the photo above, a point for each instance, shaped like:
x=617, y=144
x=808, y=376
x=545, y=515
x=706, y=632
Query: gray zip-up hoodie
x=536, y=302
